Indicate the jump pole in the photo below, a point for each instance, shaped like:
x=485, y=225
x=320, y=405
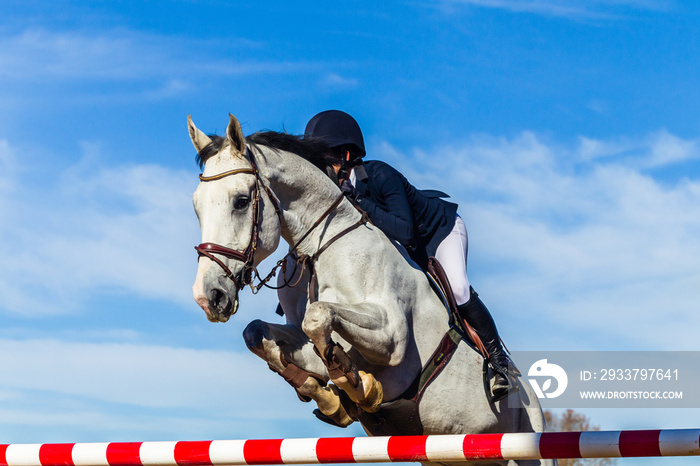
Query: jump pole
x=424, y=448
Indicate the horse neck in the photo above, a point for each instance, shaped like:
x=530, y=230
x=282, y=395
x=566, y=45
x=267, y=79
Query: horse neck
x=304, y=194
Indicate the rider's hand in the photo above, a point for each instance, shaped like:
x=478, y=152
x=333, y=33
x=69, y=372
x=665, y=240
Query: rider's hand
x=348, y=189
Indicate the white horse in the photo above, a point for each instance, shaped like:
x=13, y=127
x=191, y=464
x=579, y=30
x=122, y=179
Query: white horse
x=369, y=321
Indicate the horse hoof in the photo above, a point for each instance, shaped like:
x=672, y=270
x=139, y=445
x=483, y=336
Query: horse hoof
x=327, y=419
x=374, y=393
x=334, y=410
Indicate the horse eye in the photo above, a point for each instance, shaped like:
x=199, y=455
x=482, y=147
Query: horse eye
x=241, y=203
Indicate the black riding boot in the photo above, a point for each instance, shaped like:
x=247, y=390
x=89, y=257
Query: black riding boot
x=478, y=316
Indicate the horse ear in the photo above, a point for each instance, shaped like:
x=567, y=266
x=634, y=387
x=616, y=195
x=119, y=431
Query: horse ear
x=199, y=139
x=235, y=134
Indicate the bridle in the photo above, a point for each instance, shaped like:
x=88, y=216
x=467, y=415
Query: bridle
x=247, y=256
x=249, y=272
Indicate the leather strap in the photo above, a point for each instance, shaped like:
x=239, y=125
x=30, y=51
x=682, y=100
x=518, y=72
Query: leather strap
x=338, y=363
x=441, y=356
x=325, y=214
x=294, y=375
x=205, y=248
x=209, y=248
x=362, y=221
x=436, y=270
x=237, y=171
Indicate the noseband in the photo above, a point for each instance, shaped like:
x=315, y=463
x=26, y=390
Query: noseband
x=247, y=256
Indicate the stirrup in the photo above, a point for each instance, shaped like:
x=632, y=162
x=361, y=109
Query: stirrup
x=499, y=392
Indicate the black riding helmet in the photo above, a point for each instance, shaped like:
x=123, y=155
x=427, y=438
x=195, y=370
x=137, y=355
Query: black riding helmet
x=337, y=129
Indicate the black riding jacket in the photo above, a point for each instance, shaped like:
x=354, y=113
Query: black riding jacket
x=419, y=220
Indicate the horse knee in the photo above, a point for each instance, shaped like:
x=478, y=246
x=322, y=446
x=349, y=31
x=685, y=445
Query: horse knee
x=254, y=334
x=317, y=321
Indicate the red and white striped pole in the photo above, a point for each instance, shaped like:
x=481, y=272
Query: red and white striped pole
x=424, y=448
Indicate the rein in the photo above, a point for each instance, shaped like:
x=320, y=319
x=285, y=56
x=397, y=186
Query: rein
x=249, y=273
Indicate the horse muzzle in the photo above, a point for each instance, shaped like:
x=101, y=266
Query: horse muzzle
x=216, y=295
x=220, y=305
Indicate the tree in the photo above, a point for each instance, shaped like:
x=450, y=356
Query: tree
x=571, y=421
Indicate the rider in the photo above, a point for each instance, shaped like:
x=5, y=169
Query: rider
x=419, y=220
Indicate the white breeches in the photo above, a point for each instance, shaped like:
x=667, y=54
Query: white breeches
x=452, y=254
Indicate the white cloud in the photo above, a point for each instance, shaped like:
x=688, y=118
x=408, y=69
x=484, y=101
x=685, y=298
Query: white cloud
x=8, y=170
x=667, y=149
x=171, y=88
x=651, y=151
x=598, y=106
x=577, y=237
x=587, y=9
x=138, y=375
x=96, y=228
x=124, y=55
x=590, y=149
x=340, y=82
x=38, y=53
x=53, y=391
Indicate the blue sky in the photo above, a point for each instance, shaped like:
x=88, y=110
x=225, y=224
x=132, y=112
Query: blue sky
x=567, y=131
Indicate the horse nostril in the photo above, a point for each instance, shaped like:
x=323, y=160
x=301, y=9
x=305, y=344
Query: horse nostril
x=220, y=300
x=217, y=297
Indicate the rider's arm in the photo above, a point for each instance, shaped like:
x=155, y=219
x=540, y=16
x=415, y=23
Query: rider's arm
x=394, y=217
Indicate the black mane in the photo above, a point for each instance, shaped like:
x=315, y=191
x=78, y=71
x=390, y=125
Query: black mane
x=210, y=150
x=312, y=149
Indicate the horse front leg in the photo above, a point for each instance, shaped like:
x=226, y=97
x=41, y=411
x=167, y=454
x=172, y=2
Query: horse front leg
x=289, y=353
x=379, y=336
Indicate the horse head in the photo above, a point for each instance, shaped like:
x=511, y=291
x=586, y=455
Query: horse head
x=239, y=229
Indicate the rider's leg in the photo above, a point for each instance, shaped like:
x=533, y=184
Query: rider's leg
x=452, y=255
x=479, y=317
